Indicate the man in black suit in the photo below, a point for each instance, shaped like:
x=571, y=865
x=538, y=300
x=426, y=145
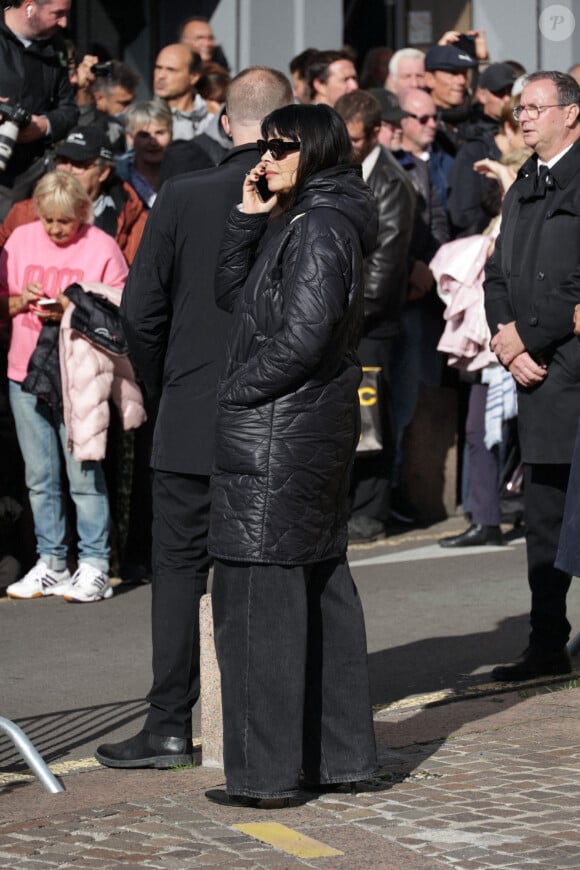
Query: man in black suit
x=532, y=285
x=385, y=289
x=177, y=338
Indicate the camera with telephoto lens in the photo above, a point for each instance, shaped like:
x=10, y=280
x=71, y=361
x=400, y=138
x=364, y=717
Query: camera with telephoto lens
x=102, y=68
x=12, y=119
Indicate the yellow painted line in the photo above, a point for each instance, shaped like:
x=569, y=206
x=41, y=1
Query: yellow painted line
x=62, y=768
x=58, y=769
x=287, y=840
x=397, y=540
x=470, y=692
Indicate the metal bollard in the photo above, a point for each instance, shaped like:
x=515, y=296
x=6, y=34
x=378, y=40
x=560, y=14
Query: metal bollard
x=35, y=761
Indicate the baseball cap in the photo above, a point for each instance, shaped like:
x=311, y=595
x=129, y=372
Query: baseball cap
x=390, y=108
x=85, y=143
x=497, y=77
x=448, y=58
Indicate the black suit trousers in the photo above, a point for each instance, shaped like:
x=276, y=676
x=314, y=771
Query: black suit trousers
x=180, y=570
x=544, y=497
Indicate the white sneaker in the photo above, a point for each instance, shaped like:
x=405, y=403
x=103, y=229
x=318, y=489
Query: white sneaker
x=88, y=584
x=40, y=580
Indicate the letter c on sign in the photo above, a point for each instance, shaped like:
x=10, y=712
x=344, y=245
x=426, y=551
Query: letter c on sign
x=367, y=396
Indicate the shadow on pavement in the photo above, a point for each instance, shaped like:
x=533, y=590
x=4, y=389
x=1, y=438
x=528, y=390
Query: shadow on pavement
x=55, y=735
x=407, y=738
x=443, y=662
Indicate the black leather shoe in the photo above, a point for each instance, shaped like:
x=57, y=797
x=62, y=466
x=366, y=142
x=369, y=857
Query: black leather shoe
x=475, y=536
x=534, y=663
x=219, y=796
x=147, y=750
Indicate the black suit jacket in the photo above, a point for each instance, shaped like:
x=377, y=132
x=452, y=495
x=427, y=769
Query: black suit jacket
x=533, y=278
x=176, y=333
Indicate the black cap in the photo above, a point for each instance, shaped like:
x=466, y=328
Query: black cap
x=390, y=108
x=448, y=58
x=85, y=143
x=497, y=77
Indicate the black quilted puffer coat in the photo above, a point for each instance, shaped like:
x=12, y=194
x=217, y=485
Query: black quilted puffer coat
x=288, y=413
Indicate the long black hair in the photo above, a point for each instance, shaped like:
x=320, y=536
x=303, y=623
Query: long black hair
x=323, y=137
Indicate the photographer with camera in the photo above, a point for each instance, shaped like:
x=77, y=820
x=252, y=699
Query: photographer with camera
x=37, y=102
x=104, y=90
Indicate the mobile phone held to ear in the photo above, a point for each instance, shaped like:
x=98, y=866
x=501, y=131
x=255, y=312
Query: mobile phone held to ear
x=262, y=189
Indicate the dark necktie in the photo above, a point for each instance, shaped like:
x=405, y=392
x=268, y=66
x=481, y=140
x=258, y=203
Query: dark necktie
x=540, y=181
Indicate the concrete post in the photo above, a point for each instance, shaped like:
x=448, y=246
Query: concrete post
x=211, y=697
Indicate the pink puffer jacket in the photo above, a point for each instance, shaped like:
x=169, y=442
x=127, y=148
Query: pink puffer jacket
x=90, y=377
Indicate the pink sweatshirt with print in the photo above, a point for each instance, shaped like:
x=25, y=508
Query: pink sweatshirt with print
x=30, y=255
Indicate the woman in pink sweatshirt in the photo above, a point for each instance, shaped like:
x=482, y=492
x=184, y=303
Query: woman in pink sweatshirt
x=38, y=262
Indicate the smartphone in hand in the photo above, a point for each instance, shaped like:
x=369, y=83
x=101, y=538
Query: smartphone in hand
x=48, y=305
x=262, y=189
x=466, y=43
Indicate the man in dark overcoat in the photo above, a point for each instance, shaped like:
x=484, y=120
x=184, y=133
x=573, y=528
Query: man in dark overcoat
x=385, y=284
x=532, y=285
x=177, y=339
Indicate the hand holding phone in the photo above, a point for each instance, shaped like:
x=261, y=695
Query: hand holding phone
x=256, y=197
x=263, y=189
x=46, y=306
x=466, y=42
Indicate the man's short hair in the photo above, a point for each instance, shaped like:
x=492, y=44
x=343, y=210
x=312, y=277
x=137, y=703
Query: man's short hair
x=567, y=88
x=214, y=81
x=120, y=75
x=196, y=63
x=299, y=62
x=402, y=53
x=360, y=106
x=190, y=20
x=318, y=66
x=255, y=92
x=141, y=114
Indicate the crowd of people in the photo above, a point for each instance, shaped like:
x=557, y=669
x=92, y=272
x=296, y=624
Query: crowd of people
x=422, y=228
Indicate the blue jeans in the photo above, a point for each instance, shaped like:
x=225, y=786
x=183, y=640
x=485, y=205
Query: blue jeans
x=42, y=441
x=291, y=647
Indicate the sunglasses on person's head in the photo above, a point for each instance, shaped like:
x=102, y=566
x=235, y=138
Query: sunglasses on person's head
x=277, y=147
x=422, y=119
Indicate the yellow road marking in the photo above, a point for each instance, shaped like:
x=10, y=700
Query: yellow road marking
x=288, y=840
x=62, y=768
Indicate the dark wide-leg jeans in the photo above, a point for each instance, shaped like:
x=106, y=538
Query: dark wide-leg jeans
x=291, y=647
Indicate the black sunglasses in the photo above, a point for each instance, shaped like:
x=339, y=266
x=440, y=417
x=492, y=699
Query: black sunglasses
x=277, y=147
x=422, y=119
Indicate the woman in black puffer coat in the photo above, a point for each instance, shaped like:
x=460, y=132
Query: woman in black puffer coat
x=288, y=623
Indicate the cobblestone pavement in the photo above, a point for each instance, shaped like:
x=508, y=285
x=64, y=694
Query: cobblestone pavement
x=488, y=782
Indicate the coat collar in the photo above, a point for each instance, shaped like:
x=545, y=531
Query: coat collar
x=250, y=148
x=562, y=173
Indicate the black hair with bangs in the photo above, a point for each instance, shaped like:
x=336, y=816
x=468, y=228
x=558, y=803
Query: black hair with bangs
x=323, y=137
